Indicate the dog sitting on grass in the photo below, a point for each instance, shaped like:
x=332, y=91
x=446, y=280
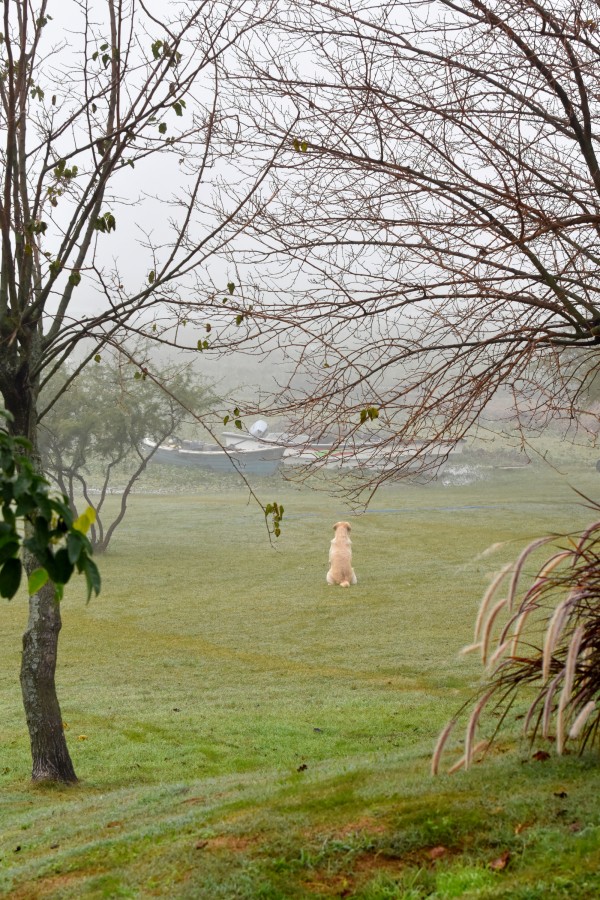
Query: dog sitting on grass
x=340, y=557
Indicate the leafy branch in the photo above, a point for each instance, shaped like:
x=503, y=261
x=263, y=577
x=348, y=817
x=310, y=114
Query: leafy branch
x=53, y=535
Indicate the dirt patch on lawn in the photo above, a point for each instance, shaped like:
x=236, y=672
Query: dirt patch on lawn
x=366, y=825
x=344, y=884
x=53, y=884
x=233, y=843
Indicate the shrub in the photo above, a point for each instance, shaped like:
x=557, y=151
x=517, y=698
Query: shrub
x=549, y=644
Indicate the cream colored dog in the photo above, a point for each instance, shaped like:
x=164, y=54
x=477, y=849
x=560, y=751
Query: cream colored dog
x=340, y=557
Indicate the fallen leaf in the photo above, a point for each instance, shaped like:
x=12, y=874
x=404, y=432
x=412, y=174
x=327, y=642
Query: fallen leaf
x=561, y=794
x=541, y=756
x=574, y=827
x=82, y=737
x=501, y=862
x=522, y=826
x=200, y=845
x=115, y=824
x=437, y=852
x=302, y=768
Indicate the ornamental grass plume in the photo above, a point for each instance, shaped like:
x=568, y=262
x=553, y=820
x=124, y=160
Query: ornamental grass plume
x=539, y=639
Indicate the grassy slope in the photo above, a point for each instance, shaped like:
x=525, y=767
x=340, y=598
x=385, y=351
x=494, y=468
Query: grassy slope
x=243, y=730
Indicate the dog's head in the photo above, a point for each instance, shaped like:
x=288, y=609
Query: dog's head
x=344, y=526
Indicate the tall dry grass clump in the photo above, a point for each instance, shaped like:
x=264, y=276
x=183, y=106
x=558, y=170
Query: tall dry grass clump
x=539, y=639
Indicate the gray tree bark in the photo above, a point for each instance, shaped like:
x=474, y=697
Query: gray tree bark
x=50, y=754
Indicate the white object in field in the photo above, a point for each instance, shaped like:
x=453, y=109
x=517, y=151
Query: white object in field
x=259, y=429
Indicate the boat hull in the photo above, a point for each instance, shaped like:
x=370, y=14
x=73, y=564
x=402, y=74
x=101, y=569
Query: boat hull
x=265, y=461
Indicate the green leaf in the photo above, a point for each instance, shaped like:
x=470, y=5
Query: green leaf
x=60, y=567
x=231, y=287
x=162, y=128
x=371, y=413
x=238, y=423
x=10, y=577
x=226, y=420
x=23, y=484
x=105, y=223
x=151, y=276
x=97, y=358
x=239, y=319
x=304, y=146
x=38, y=578
x=37, y=227
x=75, y=544
x=9, y=548
x=92, y=576
x=74, y=278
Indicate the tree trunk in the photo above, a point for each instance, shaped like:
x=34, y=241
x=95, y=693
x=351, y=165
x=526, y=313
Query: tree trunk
x=50, y=755
x=49, y=752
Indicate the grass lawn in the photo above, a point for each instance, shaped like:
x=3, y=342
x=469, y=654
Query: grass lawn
x=241, y=729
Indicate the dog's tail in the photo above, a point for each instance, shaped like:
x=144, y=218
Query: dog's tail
x=344, y=584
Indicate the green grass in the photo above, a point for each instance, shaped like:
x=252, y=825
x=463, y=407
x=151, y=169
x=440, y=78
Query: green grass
x=241, y=729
